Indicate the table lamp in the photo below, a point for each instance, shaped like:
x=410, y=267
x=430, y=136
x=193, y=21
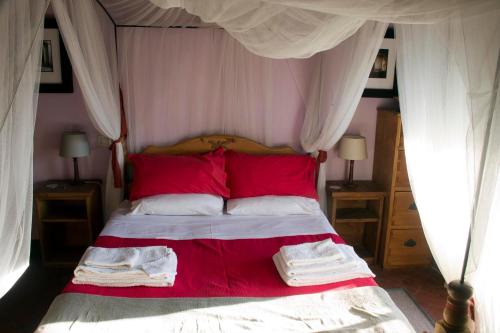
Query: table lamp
x=74, y=145
x=352, y=148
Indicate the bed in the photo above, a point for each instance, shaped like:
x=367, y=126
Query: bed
x=226, y=279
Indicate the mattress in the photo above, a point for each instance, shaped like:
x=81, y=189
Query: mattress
x=226, y=282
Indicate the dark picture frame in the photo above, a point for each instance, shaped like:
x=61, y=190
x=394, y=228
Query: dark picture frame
x=57, y=75
x=384, y=70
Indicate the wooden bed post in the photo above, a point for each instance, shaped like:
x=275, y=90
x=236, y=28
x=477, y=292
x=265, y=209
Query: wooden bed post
x=456, y=315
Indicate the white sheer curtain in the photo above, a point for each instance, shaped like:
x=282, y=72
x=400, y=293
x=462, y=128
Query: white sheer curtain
x=300, y=28
x=94, y=63
x=208, y=83
x=21, y=31
x=145, y=13
x=448, y=83
x=336, y=90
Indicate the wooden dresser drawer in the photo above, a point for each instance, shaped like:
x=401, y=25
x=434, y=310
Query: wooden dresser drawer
x=408, y=247
x=404, y=210
x=402, y=179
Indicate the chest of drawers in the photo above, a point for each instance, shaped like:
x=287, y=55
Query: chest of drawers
x=403, y=242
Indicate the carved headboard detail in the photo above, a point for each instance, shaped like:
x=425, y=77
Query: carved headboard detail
x=218, y=143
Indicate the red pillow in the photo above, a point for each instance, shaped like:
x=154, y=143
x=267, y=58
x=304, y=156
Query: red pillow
x=170, y=174
x=257, y=175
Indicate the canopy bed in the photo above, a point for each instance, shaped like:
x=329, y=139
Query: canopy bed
x=226, y=279
x=448, y=68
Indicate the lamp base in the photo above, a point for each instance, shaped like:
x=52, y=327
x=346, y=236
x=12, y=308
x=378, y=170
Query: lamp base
x=350, y=182
x=76, y=177
x=350, y=185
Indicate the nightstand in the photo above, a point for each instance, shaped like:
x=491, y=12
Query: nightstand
x=356, y=214
x=69, y=219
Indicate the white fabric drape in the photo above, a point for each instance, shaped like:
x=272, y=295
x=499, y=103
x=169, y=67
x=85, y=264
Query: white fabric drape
x=237, y=92
x=145, y=13
x=21, y=31
x=208, y=83
x=332, y=99
x=301, y=28
x=448, y=82
x=274, y=31
x=336, y=90
x=94, y=63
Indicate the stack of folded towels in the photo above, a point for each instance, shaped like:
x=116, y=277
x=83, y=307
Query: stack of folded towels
x=153, y=266
x=319, y=263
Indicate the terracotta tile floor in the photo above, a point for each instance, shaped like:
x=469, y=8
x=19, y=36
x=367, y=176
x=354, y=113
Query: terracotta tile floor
x=425, y=285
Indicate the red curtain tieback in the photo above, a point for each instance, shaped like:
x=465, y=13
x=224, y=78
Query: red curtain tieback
x=117, y=173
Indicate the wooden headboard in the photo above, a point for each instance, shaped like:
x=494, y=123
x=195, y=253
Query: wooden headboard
x=206, y=143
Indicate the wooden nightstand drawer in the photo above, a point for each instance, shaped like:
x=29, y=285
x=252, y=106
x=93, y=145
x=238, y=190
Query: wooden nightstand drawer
x=402, y=179
x=404, y=212
x=408, y=247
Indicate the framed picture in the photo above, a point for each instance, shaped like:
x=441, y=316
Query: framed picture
x=382, y=81
x=56, y=76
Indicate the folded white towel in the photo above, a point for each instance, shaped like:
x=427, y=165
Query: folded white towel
x=149, y=266
x=357, y=268
x=125, y=281
x=349, y=261
x=164, y=265
x=308, y=253
x=118, y=258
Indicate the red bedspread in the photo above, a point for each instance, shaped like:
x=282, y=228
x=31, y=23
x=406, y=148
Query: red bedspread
x=220, y=268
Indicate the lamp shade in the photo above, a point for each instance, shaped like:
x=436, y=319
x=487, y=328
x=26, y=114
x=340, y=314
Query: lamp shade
x=74, y=144
x=353, y=147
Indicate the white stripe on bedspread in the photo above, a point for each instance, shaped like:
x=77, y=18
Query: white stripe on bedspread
x=218, y=226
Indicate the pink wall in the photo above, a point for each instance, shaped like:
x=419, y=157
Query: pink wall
x=172, y=93
x=58, y=113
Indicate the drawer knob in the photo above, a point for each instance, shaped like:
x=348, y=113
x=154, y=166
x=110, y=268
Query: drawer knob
x=413, y=206
x=410, y=243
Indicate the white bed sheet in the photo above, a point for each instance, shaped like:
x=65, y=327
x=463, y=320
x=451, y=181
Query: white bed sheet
x=215, y=227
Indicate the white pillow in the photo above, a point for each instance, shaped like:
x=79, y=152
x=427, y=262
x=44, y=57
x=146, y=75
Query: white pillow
x=178, y=204
x=273, y=205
